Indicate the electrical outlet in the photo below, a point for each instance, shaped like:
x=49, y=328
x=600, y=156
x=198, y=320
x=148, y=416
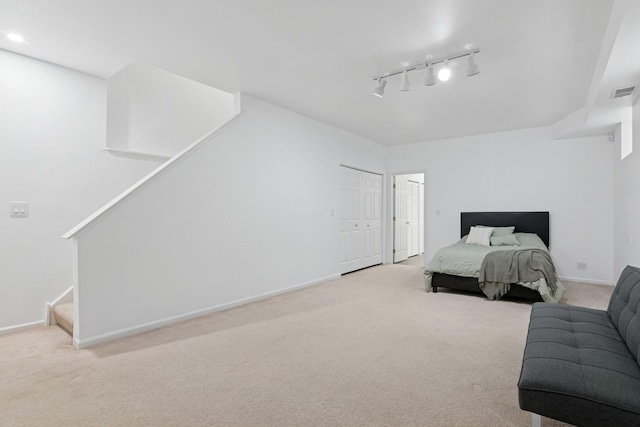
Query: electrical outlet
x=582, y=265
x=18, y=209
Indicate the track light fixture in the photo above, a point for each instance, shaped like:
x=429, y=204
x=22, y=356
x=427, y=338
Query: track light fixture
x=380, y=89
x=444, y=72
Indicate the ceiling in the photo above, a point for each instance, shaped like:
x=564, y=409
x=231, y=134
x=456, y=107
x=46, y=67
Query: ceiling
x=318, y=57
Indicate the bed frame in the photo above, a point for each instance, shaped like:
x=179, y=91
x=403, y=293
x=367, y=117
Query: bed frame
x=525, y=222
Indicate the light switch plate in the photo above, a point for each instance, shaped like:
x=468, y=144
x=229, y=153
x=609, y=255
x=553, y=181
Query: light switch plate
x=18, y=209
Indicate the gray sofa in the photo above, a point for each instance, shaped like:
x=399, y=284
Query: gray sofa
x=580, y=365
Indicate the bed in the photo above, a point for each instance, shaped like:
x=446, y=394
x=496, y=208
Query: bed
x=532, y=228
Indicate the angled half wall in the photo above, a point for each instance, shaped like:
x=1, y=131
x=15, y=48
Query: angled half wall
x=247, y=213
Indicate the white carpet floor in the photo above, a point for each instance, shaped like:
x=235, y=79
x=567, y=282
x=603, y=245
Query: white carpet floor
x=368, y=349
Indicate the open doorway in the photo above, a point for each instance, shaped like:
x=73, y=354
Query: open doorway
x=408, y=218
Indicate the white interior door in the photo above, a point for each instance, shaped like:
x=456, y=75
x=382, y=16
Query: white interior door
x=372, y=218
x=360, y=219
x=413, y=218
x=350, y=220
x=421, y=218
x=400, y=219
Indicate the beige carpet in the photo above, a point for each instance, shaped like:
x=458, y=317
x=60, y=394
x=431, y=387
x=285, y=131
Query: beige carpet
x=371, y=348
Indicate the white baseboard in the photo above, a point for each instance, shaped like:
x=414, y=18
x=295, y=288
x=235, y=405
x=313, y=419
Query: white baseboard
x=66, y=297
x=23, y=327
x=121, y=333
x=590, y=281
x=49, y=318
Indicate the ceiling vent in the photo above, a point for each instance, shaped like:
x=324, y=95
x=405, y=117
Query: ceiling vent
x=622, y=92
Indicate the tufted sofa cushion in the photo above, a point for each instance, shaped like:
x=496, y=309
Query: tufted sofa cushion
x=623, y=308
x=580, y=365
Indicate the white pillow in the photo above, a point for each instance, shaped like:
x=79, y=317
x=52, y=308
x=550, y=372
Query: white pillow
x=479, y=236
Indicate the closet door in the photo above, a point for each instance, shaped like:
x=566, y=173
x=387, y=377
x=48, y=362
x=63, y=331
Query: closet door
x=350, y=218
x=372, y=218
x=360, y=219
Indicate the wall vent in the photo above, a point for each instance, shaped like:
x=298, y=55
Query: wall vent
x=623, y=91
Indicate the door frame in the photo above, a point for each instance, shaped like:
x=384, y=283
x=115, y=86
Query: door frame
x=400, y=217
x=413, y=205
x=390, y=210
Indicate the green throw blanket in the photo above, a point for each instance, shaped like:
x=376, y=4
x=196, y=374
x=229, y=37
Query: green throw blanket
x=501, y=268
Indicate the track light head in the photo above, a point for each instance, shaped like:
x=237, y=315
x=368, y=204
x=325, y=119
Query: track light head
x=445, y=73
x=472, y=67
x=380, y=89
x=404, y=86
x=429, y=78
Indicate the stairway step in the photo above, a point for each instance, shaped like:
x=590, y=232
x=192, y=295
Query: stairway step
x=64, y=316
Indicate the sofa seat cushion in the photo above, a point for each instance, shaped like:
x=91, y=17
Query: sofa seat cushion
x=577, y=368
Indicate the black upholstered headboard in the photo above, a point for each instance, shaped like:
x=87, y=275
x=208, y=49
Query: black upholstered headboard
x=525, y=222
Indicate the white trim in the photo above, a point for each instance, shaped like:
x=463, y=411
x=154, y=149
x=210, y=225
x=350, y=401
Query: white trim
x=67, y=296
x=361, y=170
x=137, y=154
x=49, y=320
x=76, y=308
x=75, y=230
x=110, y=336
x=23, y=327
x=589, y=281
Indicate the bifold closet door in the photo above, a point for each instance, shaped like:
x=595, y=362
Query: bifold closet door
x=360, y=219
x=372, y=218
x=350, y=213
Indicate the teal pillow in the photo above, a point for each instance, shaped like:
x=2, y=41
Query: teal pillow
x=500, y=231
x=506, y=240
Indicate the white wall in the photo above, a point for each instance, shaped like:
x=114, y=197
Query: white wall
x=248, y=214
x=415, y=177
x=627, y=200
x=153, y=111
x=521, y=171
x=52, y=130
